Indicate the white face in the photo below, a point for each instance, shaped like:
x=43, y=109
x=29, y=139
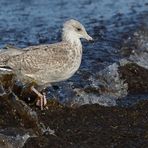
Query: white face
x=76, y=29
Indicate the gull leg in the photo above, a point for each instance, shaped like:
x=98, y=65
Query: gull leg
x=45, y=100
x=42, y=101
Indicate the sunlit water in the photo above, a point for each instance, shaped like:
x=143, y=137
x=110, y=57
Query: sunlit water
x=110, y=22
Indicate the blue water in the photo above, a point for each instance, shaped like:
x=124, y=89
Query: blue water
x=24, y=22
x=109, y=22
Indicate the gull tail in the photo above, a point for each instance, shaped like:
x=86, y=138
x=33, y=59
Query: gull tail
x=5, y=68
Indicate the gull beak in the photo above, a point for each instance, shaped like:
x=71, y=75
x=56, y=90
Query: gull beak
x=88, y=38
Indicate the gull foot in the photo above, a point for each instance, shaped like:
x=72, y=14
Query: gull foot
x=42, y=100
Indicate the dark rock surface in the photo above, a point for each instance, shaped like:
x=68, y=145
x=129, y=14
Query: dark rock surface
x=94, y=126
x=85, y=126
x=136, y=77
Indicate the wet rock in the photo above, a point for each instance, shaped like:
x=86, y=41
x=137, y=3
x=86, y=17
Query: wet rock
x=26, y=117
x=18, y=121
x=47, y=141
x=93, y=126
x=13, y=131
x=84, y=126
x=136, y=78
x=13, y=141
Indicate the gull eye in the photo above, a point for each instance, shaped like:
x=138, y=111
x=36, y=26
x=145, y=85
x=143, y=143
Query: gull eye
x=78, y=29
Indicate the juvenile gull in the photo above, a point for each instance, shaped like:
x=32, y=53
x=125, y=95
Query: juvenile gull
x=45, y=64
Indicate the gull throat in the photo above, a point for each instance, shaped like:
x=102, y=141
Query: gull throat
x=72, y=38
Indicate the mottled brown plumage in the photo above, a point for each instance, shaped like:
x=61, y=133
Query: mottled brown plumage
x=7, y=54
x=46, y=63
x=49, y=63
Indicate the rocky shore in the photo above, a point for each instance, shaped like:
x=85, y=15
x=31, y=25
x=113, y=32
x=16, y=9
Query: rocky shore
x=59, y=126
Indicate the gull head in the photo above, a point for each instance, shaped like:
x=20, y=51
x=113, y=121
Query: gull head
x=73, y=31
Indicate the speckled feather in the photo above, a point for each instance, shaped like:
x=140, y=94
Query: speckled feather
x=47, y=63
x=6, y=55
x=44, y=64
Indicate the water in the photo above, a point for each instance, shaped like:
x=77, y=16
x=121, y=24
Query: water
x=111, y=23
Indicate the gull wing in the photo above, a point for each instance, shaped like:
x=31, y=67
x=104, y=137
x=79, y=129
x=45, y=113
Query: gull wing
x=40, y=58
x=7, y=54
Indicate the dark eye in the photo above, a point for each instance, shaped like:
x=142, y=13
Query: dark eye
x=78, y=29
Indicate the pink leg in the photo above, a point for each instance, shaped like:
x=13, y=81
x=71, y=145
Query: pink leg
x=42, y=101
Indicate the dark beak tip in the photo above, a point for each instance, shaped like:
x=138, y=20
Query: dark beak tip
x=91, y=40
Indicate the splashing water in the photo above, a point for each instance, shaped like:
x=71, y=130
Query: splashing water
x=140, y=56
